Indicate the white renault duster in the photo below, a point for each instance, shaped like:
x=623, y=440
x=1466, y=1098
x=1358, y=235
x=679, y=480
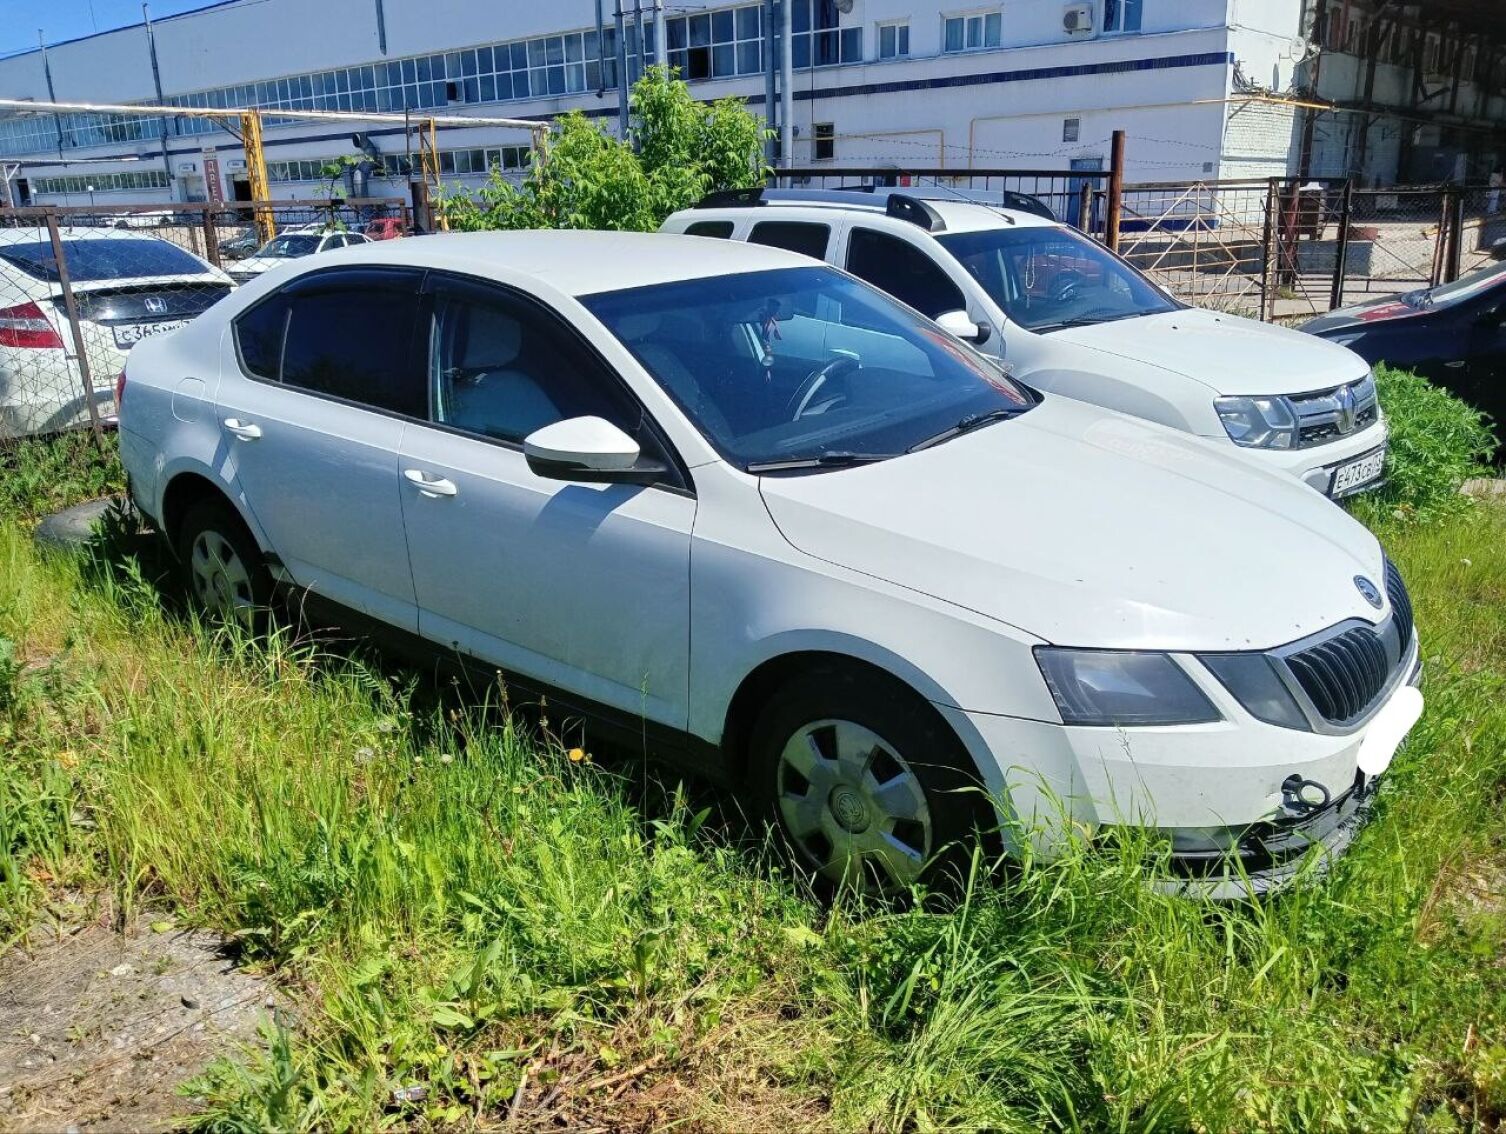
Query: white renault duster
x=1064, y=314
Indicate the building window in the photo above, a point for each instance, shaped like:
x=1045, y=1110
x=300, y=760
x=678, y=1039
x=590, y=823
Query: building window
x=823, y=141
x=1122, y=15
x=972, y=32
x=717, y=45
x=816, y=39
x=102, y=182
x=894, y=40
x=1071, y=128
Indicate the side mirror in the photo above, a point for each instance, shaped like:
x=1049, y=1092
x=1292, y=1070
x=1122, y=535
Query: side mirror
x=958, y=325
x=589, y=450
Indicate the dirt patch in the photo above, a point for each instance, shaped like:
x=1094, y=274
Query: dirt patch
x=98, y=1029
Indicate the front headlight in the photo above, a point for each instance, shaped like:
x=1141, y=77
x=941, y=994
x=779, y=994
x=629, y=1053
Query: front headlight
x=1255, y=686
x=1121, y=687
x=1258, y=423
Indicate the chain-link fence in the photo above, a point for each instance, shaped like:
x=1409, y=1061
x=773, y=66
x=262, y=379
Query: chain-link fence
x=80, y=287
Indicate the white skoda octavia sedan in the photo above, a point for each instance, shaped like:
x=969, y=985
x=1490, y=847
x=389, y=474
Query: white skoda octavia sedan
x=755, y=511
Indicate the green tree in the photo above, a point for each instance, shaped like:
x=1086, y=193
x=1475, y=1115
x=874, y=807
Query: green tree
x=585, y=178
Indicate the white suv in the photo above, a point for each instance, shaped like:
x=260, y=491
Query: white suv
x=1064, y=314
x=762, y=516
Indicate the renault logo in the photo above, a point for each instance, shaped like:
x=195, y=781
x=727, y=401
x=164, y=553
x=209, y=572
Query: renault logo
x=1344, y=409
x=155, y=305
x=1369, y=590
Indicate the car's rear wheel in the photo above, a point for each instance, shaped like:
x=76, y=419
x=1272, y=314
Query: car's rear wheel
x=867, y=784
x=223, y=567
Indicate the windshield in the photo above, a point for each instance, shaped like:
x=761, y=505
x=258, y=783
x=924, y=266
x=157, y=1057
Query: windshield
x=283, y=247
x=105, y=258
x=1046, y=277
x=805, y=364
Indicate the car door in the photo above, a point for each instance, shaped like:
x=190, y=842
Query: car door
x=319, y=381
x=583, y=587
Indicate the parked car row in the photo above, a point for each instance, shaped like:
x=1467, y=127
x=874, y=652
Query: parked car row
x=762, y=515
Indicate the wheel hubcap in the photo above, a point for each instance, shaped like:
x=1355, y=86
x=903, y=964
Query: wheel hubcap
x=221, y=581
x=853, y=806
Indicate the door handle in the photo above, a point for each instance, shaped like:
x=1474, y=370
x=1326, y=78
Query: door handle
x=432, y=486
x=245, y=430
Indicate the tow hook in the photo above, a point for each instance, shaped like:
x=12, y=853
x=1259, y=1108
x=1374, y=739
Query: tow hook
x=1302, y=797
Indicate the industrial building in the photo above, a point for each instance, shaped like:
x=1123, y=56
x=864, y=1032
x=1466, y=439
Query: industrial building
x=1205, y=89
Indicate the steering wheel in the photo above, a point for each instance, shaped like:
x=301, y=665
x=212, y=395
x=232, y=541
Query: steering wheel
x=838, y=369
x=1064, y=287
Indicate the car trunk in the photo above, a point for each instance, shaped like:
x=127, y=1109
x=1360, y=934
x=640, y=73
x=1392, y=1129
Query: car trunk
x=114, y=317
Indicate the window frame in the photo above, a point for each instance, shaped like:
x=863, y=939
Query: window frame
x=678, y=478
x=316, y=279
x=982, y=15
x=897, y=27
x=823, y=134
x=1117, y=10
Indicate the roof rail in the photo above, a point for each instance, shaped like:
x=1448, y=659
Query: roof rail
x=902, y=206
x=731, y=198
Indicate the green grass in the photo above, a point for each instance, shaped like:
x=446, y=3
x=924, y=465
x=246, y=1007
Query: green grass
x=42, y=475
x=451, y=901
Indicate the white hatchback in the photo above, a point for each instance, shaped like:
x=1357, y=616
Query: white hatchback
x=753, y=513
x=1064, y=314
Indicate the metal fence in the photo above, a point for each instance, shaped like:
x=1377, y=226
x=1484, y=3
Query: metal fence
x=81, y=286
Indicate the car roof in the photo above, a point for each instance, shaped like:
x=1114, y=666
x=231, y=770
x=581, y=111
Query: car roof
x=36, y=233
x=575, y=262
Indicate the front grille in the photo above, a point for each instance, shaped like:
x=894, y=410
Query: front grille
x=1344, y=674
x=1327, y=415
x=1401, y=605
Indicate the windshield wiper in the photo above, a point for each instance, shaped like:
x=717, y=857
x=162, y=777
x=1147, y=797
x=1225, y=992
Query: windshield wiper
x=823, y=461
x=1086, y=321
x=966, y=425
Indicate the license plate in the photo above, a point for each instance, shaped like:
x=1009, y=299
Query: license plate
x=1356, y=474
x=128, y=335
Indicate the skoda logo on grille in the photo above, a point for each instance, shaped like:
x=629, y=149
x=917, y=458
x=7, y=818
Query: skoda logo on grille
x=1345, y=414
x=155, y=304
x=1369, y=590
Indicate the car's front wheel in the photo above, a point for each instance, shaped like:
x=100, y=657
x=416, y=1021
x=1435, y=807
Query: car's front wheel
x=222, y=565
x=864, y=780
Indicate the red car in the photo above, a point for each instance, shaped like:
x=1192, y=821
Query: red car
x=384, y=228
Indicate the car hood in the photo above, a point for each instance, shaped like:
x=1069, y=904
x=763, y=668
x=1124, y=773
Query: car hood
x=1358, y=316
x=1084, y=527
x=1229, y=354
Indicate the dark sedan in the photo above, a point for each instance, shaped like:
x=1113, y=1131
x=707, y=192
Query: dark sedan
x=1454, y=335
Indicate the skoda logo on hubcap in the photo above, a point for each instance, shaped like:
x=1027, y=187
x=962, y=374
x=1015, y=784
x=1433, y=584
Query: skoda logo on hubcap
x=1369, y=590
x=849, y=809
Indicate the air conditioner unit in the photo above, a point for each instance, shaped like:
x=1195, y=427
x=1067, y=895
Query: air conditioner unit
x=1078, y=19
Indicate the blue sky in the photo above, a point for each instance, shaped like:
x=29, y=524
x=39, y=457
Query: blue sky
x=69, y=19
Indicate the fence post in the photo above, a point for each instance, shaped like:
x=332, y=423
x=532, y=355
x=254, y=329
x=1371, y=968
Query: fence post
x=1271, y=197
x=1341, y=261
x=78, y=331
x=1455, y=235
x=1116, y=191
x=1440, y=246
x=211, y=241
x=1085, y=206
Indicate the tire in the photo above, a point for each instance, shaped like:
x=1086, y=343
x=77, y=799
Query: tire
x=867, y=784
x=223, y=569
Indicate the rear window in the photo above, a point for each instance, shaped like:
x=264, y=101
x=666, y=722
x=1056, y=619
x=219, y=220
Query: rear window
x=794, y=236
x=102, y=259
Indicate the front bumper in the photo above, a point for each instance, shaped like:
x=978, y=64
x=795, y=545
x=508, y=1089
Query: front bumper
x=1317, y=466
x=1235, y=773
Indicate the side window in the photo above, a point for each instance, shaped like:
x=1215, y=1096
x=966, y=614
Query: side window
x=259, y=334
x=903, y=270
x=794, y=236
x=502, y=367
x=721, y=229
x=350, y=335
